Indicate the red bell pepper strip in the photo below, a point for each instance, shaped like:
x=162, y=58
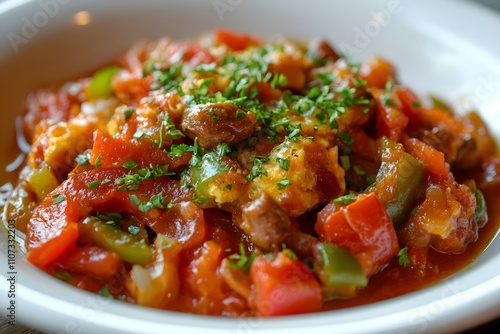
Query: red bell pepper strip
x=363, y=228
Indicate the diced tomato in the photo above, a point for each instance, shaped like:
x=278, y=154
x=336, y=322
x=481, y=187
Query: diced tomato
x=131, y=87
x=267, y=94
x=192, y=53
x=434, y=159
x=203, y=278
x=93, y=260
x=235, y=41
x=391, y=121
x=183, y=222
x=295, y=74
x=363, y=228
x=49, y=234
x=284, y=286
x=115, y=152
x=377, y=72
x=410, y=105
x=53, y=229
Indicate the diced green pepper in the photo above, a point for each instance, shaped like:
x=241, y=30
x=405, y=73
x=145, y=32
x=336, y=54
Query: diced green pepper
x=481, y=215
x=111, y=238
x=338, y=270
x=404, y=175
x=100, y=86
x=205, y=172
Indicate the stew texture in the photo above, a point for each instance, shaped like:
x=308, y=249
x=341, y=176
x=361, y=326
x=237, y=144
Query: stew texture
x=240, y=177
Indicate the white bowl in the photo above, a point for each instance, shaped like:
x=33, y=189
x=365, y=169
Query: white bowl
x=447, y=48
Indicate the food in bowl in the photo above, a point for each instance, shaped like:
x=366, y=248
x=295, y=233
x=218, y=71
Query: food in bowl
x=239, y=177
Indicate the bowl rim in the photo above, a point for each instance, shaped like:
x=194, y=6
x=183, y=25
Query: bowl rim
x=378, y=320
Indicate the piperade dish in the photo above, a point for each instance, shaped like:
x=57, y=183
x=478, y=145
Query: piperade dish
x=240, y=177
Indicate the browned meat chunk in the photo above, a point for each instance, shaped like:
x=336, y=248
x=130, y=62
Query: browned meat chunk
x=265, y=222
x=215, y=123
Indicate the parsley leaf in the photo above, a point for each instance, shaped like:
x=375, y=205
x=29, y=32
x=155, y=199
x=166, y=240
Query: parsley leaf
x=93, y=184
x=243, y=261
x=284, y=183
x=346, y=199
x=58, y=199
x=403, y=259
x=82, y=159
x=130, y=164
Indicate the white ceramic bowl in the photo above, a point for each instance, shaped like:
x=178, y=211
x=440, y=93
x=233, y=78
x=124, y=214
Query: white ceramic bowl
x=447, y=48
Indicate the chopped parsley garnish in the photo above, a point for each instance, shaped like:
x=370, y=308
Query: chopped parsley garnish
x=93, y=184
x=82, y=159
x=156, y=201
x=345, y=161
x=288, y=252
x=242, y=260
x=130, y=164
x=58, y=199
x=98, y=161
x=134, y=230
x=278, y=80
x=387, y=93
x=283, y=163
x=111, y=218
x=176, y=150
x=257, y=170
x=403, y=258
x=105, y=292
x=346, y=199
x=284, y=183
x=63, y=275
x=222, y=149
x=347, y=140
x=132, y=181
x=128, y=113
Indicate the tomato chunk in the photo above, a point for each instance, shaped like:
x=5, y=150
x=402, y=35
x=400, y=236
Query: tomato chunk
x=391, y=121
x=235, y=41
x=434, y=159
x=114, y=152
x=363, y=228
x=92, y=260
x=284, y=286
x=411, y=106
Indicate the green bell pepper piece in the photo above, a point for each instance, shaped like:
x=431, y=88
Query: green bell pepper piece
x=206, y=171
x=337, y=267
x=111, y=238
x=408, y=183
x=100, y=86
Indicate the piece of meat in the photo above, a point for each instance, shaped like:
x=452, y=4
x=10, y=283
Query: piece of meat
x=265, y=222
x=216, y=123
